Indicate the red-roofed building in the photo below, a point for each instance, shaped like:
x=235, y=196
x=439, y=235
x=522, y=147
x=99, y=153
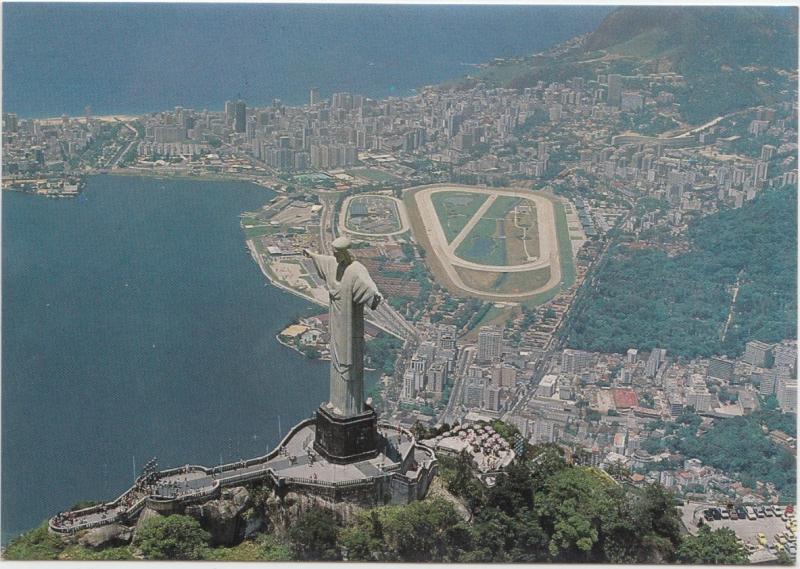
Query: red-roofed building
x=625, y=399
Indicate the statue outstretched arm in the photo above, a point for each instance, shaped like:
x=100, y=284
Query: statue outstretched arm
x=317, y=259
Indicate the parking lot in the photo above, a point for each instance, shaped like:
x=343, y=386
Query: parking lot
x=746, y=529
x=749, y=529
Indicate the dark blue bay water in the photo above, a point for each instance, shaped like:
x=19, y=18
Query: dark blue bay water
x=133, y=58
x=135, y=324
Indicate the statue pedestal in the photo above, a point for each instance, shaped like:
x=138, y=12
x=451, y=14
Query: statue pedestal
x=342, y=440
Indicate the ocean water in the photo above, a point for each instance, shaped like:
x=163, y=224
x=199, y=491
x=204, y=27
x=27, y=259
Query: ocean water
x=135, y=324
x=135, y=58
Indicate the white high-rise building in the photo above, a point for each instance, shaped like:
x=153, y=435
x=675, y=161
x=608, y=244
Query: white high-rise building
x=493, y=398
x=547, y=386
x=437, y=377
x=490, y=343
x=409, y=391
x=657, y=357
x=787, y=395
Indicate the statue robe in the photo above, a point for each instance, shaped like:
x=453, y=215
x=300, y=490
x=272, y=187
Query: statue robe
x=349, y=288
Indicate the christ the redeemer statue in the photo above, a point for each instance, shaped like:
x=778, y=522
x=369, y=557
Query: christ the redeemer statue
x=350, y=289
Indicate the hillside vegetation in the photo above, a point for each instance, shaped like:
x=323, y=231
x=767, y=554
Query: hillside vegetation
x=643, y=298
x=729, y=56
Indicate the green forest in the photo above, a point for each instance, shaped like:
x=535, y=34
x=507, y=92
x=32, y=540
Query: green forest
x=643, y=298
x=541, y=510
x=739, y=446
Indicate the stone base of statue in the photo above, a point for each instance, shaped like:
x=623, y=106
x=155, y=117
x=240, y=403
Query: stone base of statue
x=342, y=440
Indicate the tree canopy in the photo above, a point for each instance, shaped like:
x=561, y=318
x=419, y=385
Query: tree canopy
x=647, y=299
x=172, y=537
x=712, y=548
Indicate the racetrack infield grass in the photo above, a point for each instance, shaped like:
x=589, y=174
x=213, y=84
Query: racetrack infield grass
x=486, y=243
x=515, y=244
x=504, y=283
x=455, y=209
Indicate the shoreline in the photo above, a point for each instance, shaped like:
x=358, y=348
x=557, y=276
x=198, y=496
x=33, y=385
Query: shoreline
x=170, y=176
x=299, y=351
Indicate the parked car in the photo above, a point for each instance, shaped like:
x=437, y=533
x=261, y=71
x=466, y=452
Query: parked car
x=768, y=512
x=741, y=512
x=717, y=515
x=760, y=511
x=726, y=515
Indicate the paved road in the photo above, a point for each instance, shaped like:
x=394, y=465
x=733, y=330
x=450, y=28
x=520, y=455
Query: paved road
x=453, y=410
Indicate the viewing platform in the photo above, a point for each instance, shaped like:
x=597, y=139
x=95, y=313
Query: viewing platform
x=399, y=474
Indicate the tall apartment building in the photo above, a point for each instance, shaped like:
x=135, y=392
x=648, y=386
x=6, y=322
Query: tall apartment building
x=575, y=361
x=657, y=357
x=408, y=392
x=230, y=112
x=504, y=375
x=544, y=431
x=720, y=368
x=758, y=353
x=473, y=393
x=240, y=116
x=313, y=96
x=493, y=399
x=785, y=357
x=700, y=399
x=547, y=386
x=787, y=395
x=447, y=337
x=769, y=382
x=490, y=343
x=437, y=377
x=614, y=89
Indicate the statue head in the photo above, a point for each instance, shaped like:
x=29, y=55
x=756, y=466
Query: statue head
x=341, y=250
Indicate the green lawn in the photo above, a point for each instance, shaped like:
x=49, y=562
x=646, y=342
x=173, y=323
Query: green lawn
x=501, y=206
x=484, y=245
x=258, y=231
x=455, y=209
x=564, y=246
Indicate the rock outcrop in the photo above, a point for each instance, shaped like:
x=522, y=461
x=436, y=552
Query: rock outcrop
x=223, y=518
x=280, y=513
x=112, y=535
